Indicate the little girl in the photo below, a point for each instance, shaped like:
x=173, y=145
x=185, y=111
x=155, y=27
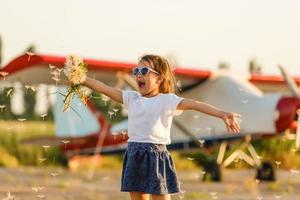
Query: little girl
x=148, y=167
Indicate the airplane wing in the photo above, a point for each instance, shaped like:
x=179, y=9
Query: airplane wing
x=271, y=83
x=227, y=92
x=35, y=69
x=24, y=67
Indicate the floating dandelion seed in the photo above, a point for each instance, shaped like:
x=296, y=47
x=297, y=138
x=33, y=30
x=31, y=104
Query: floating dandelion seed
x=259, y=157
x=115, y=110
x=197, y=176
x=294, y=171
x=21, y=119
x=2, y=107
x=190, y=158
x=196, y=116
x=54, y=174
x=9, y=92
x=181, y=195
x=123, y=134
x=37, y=189
x=245, y=101
x=239, y=120
x=33, y=88
x=29, y=55
x=43, y=116
x=105, y=99
x=201, y=141
x=198, y=129
x=55, y=73
x=40, y=196
x=178, y=84
x=105, y=178
x=59, y=70
x=115, y=135
x=42, y=159
x=79, y=104
x=52, y=67
x=110, y=114
x=208, y=129
x=213, y=195
x=56, y=79
x=257, y=181
x=203, y=172
x=9, y=196
x=4, y=74
x=46, y=147
x=65, y=141
x=277, y=163
x=30, y=87
x=294, y=150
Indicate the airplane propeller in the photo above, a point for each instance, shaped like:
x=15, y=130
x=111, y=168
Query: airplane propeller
x=298, y=131
x=296, y=93
x=290, y=82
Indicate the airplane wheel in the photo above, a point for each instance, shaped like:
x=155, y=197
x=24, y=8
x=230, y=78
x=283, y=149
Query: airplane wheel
x=212, y=171
x=266, y=172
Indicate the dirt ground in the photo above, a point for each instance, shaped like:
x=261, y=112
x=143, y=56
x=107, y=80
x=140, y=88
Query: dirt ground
x=60, y=184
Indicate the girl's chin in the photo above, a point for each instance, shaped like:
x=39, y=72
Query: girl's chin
x=143, y=91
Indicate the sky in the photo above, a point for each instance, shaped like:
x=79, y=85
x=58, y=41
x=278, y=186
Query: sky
x=198, y=34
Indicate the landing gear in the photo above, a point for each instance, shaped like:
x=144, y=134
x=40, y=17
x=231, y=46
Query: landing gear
x=212, y=171
x=246, y=152
x=266, y=172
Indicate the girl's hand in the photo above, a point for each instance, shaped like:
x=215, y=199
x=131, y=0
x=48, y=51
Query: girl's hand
x=231, y=121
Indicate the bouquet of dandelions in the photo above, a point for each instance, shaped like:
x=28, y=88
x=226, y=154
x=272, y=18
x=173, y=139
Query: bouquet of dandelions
x=75, y=70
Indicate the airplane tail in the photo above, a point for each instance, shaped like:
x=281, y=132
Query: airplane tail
x=78, y=121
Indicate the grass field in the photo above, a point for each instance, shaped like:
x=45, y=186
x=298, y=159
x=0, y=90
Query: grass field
x=14, y=154
x=37, y=172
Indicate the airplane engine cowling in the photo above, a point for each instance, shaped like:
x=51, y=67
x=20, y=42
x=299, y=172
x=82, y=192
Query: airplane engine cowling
x=287, y=110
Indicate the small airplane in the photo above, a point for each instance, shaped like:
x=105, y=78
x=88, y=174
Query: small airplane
x=265, y=103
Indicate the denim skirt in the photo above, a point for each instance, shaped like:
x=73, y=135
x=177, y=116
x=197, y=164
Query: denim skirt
x=149, y=168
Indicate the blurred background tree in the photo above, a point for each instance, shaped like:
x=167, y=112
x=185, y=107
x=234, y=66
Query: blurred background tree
x=254, y=67
x=1, y=50
x=223, y=66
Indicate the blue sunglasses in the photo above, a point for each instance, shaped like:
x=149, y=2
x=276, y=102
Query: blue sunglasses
x=142, y=70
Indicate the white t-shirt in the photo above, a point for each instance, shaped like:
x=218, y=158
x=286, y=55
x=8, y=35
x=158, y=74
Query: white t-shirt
x=150, y=119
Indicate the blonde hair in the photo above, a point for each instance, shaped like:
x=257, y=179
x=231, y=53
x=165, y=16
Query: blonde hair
x=161, y=65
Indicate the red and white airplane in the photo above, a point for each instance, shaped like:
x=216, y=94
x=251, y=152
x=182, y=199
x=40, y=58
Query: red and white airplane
x=268, y=105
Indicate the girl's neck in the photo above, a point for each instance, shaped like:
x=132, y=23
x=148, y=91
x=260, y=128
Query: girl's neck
x=152, y=94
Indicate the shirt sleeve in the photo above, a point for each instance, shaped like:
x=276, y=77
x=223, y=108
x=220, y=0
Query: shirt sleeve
x=127, y=96
x=173, y=102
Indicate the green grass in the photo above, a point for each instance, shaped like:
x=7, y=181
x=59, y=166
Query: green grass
x=16, y=154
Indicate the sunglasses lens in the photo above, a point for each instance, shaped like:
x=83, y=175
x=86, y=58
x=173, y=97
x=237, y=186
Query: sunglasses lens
x=144, y=71
x=135, y=71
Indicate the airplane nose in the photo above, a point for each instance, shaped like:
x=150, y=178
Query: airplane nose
x=287, y=110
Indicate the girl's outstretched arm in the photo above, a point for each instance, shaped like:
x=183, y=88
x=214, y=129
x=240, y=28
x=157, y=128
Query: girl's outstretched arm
x=229, y=118
x=98, y=86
